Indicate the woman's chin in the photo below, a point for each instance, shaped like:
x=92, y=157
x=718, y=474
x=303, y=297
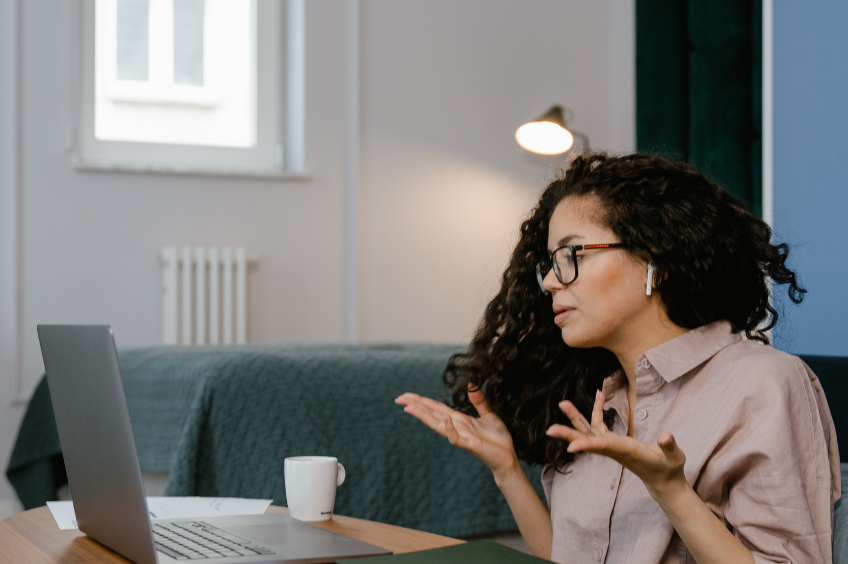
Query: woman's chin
x=574, y=339
x=578, y=336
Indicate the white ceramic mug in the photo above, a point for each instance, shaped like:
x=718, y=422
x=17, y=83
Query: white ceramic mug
x=311, y=483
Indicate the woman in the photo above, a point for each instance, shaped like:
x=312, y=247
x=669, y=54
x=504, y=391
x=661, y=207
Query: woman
x=649, y=328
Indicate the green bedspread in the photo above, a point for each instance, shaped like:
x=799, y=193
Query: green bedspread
x=223, y=419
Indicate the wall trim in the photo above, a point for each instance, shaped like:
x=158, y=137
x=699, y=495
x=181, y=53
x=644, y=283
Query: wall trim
x=767, y=135
x=352, y=195
x=10, y=196
x=294, y=78
x=768, y=112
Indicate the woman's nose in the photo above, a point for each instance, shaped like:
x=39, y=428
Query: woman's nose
x=551, y=282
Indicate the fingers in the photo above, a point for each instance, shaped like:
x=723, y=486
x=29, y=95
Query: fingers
x=407, y=398
x=478, y=400
x=624, y=450
x=430, y=412
x=423, y=409
x=450, y=431
x=580, y=423
x=577, y=441
x=670, y=449
x=427, y=404
x=600, y=445
x=431, y=420
x=563, y=432
x=442, y=423
x=598, y=409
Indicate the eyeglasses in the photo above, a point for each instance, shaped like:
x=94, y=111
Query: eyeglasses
x=564, y=262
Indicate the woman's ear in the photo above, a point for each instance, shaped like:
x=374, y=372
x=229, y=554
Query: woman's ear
x=650, y=278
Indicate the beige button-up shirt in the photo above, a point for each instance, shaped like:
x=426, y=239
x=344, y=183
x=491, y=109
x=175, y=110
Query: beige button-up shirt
x=760, y=451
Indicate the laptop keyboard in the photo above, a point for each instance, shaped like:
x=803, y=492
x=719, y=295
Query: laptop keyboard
x=198, y=540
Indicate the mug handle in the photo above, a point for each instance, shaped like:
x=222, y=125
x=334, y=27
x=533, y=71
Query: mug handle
x=341, y=475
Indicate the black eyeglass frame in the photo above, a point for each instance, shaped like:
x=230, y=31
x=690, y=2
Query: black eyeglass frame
x=543, y=267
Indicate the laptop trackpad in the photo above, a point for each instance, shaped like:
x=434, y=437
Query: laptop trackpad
x=271, y=535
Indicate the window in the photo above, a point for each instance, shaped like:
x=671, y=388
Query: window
x=175, y=71
x=192, y=86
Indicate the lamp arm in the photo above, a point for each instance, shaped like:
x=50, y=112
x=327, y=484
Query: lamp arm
x=582, y=136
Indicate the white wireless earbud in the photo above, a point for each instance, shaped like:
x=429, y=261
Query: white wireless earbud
x=650, y=278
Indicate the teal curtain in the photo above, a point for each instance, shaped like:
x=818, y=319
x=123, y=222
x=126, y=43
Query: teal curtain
x=698, y=88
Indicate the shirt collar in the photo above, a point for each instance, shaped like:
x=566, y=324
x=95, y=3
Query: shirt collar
x=615, y=401
x=676, y=357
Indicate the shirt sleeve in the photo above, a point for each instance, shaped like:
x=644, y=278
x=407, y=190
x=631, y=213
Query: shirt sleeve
x=776, y=462
x=548, y=473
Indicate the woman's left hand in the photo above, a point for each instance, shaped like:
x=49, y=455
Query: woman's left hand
x=659, y=467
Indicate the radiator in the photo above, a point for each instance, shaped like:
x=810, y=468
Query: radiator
x=204, y=295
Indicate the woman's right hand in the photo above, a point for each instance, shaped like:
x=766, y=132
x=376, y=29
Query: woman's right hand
x=486, y=436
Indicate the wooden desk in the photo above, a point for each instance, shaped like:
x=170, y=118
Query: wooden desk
x=32, y=537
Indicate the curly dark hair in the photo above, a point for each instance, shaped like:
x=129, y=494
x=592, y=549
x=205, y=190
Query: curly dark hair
x=711, y=258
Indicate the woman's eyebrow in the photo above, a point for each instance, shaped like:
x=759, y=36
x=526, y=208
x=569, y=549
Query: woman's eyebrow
x=565, y=240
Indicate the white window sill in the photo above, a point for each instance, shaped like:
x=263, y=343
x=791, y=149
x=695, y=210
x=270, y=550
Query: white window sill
x=88, y=166
x=159, y=94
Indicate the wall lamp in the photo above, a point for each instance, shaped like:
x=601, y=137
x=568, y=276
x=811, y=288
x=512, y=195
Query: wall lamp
x=548, y=135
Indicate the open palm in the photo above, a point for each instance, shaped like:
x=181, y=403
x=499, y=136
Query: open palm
x=486, y=436
x=659, y=467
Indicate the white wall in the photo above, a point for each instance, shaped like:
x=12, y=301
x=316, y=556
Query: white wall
x=442, y=184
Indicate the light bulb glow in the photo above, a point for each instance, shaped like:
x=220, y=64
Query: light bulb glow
x=544, y=137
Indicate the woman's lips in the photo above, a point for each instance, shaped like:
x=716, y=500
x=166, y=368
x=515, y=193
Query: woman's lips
x=563, y=315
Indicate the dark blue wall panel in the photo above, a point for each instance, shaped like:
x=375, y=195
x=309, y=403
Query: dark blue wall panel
x=811, y=169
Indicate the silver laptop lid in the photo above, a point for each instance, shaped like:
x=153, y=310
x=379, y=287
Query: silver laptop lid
x=97, y=441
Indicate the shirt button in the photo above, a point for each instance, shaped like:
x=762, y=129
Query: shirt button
x=612, y=484
x=645, y=363
x=641, y=414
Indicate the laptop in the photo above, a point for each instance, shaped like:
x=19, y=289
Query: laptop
x=104, y=476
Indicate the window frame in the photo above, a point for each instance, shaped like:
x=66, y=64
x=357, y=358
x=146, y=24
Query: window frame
x=280, y=93
x=152, y=92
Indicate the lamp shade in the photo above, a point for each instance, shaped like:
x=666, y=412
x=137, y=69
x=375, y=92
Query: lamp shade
x=547, y=135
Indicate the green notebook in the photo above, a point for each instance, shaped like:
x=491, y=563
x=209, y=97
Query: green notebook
x=474, y=552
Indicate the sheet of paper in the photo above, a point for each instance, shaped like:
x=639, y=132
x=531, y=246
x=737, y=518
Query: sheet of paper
x=180, y=508
x=63, y=512
x=173, y=508
x=239, y=505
